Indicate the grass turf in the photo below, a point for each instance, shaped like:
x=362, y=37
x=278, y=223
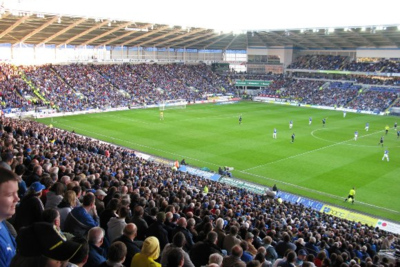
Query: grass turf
x=323, y=162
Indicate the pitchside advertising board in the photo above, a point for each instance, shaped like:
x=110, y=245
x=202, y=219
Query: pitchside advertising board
x=253, y=83
x=342, y=213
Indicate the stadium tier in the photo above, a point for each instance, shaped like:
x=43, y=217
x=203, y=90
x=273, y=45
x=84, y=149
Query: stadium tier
x=87, y=188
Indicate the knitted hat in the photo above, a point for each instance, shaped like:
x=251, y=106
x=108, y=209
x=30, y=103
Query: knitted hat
x=151, y=247
x=45, y=239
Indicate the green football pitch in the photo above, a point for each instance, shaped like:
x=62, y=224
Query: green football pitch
x=323, y=163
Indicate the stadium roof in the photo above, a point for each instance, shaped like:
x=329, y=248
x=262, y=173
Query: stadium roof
x=18, y=27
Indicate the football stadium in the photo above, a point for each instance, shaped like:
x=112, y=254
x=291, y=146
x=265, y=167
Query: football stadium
x=138, y=138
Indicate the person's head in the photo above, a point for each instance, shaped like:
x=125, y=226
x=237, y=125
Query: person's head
x=37, y=169
x=114, y=204
x=286, y=237
x=70, y=198
x=302, y=254
x=36, y=189
x=8, y=193
x=219, y=223
x=260, y=257
x=58, y=188
x=215, y=258
x=262, y=250
x=182, y=222
x=117, y=252
x=237, y=251
x=65, y=179
x=130, y=230
x=88, y=200
x=161, y=217
x=81, y=256
x=212, y=237
x=96, y=236
x=253, y=263
x=51, y=216
x=291, y=256
x=175, y=258
x=244, y=245
x=179, y=239
x=233, y=230
x=123, y=212
x=151, y=247
x=249, y=237
x=267, y=240
x=100, y=194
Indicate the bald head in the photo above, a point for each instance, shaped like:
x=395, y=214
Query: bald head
x=182, y=222
x=95, y=236
x=237, y=251
x=130, y=230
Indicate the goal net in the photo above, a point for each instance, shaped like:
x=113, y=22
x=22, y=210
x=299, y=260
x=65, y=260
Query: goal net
x=173, y=104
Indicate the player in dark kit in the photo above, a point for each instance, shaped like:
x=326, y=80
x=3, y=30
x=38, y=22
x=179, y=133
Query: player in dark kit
x=240, y=119
x=381, y=141
x=293, y=137
x=323, y=122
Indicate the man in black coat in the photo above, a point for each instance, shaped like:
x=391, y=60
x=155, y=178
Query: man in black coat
x=181, y=227
x=141, y=224
x=158, y=229
x=284, y=245
x=202, y=250
x=128, y=237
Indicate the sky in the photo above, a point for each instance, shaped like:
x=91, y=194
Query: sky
x=223, y=15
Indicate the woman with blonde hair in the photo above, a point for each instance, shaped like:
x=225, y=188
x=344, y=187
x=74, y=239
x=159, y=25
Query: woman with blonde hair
x=66, y=205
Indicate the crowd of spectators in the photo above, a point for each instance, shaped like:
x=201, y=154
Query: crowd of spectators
x=375, y=99
x=335, y=94
x=358, y=79
x=79, y=87
x=69, y=198
x=319, y=62
x=53, y=88
x=14, y=92
x=343, y=63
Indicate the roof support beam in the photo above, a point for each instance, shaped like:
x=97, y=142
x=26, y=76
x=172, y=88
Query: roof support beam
x=263, y=38
x=106, y=33
x=51, y=21
x=48, y=39
x=15, y=25
x=122, y=36
x=363, y=38
x=180, y=37
x=205, y=35
x=384, y=36
x=233, y=39
x=202, y=40
x=85, y=32
x=145, y=35
x=306, y=40
x=159, y=37
x=219, y=39
x=287, y=38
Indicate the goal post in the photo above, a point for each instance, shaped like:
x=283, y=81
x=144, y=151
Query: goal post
x=172, y=104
